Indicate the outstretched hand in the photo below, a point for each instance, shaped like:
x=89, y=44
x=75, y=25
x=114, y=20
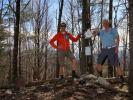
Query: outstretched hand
x=95, y=32
x=80, y=34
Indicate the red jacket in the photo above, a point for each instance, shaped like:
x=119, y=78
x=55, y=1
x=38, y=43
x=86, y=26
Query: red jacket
x=63, y=41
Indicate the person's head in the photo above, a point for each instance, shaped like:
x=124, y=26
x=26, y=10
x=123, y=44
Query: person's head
x=105, y=23
x=62, y=26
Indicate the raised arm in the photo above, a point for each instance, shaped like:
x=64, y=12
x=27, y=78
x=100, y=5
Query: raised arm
x=96, y=32
x=74, y=39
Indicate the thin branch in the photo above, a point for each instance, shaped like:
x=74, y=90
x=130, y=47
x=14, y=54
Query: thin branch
x=11, y=7
x=26, y=5
x=6, y=12
x=1, y=10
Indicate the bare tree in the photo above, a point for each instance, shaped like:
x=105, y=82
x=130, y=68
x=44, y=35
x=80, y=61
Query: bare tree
x=72, y=19
x=86, y=61
x=61, y=3
x=23, y=19
x=16, y=37
x=44, y=45
x=125, y=48
x=110, y=67
x=131, y=49
x=39, y=11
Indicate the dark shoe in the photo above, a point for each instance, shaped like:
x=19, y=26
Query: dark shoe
x=99, y=74
x=82, y=82
x=61, y=79
x=74, y=75
x=120, y=80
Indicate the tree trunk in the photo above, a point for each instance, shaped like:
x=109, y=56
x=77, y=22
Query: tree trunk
x=110, y=12
x=86, y=61
x=90, y=57
x=99, y=43
x=58, y=29
x=101, y=16
x=16, y=36
x=110, y=67
x=39, y=18
x=9, y=42
x=125, y=47
x=131, y=49
x=19, y=65
x=45, y=73
x=72, y=21
x=46, y=48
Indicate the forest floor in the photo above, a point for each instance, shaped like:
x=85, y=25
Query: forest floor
x=89, y=87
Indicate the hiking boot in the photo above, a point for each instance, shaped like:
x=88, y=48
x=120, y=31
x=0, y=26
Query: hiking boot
x=120, y=79
x=61, y=79
x=74, y=75
x=99, y=74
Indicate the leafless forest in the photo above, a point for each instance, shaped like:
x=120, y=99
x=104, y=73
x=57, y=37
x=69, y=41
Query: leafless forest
x=27, y=59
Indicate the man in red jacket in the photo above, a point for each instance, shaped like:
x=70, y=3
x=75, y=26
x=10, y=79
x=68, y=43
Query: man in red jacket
x=63, y=48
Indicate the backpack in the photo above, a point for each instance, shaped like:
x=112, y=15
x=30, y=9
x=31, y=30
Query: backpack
x=67, y=36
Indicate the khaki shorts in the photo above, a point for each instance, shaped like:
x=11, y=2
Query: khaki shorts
x=63, y=54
